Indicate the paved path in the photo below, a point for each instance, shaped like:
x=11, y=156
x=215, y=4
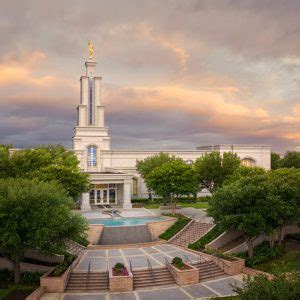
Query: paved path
x=99, y=259
x=214, y=288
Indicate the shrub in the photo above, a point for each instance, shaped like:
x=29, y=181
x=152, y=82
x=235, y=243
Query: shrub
x=82, y=241
x=119, y=266
x=282, y=287
x=176, y=227
x=207, y=238
x=262, y=254
x=30, y=278
x=177, y=262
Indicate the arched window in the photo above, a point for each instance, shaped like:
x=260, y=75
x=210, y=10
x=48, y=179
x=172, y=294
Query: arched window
x=248, y=162
x=92, y=156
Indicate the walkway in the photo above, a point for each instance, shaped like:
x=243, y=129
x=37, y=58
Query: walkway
x=138, y=256
x=213, y=288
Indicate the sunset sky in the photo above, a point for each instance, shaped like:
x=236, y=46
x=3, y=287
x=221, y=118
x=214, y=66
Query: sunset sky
x=176, y=74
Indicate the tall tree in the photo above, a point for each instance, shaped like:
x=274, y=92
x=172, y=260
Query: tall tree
x=243, y=205
x=47, y=163
x=35, y=215
x=291, y=159
x=275, y=161
x=286, y=183
x=145, y=166
x=213, y=169
x=172, y=180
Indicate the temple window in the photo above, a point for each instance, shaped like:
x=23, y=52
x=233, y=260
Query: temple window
x=92, y=156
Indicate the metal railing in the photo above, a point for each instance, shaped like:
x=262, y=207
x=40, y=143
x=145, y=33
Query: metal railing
x=88, y=275
x=151, y=271
x=130, y=266
x=187, y=259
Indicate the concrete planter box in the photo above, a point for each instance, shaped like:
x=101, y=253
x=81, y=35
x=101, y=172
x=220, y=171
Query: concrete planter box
x=184, y=277
x=120, y=283
x=53, y=284
x=230, y=267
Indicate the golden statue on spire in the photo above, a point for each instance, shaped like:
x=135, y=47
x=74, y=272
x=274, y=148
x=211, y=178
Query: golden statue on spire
x=91, y=50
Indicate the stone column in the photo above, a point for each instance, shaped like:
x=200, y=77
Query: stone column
x=85, y=201
x=127, y=194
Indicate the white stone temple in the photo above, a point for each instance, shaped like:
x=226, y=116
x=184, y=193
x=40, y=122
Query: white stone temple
x=113, y=174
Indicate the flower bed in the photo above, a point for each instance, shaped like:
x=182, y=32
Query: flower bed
x=120, y=279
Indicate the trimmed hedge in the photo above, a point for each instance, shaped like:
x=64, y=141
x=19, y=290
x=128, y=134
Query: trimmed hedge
x=207, y=238
x=30, y=278
x=176, y=227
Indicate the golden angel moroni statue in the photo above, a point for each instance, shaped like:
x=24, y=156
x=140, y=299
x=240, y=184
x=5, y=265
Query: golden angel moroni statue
x=91, y=50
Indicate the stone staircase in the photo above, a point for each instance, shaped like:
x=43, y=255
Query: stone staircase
x=146, y=278
x=87, y=282
x=208, y=270
x=192, y=232
x=74, y=248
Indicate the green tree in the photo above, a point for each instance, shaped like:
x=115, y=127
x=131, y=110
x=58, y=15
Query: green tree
x=35, y=215
x=5, y=164
x=275, y=161
x=281, y=287
x=47, y=163
x=213, y=169
x=245, y=205
x=244, y=171
x=145, y=166
x=172, y=180
x=291, y=159
x=286, y=184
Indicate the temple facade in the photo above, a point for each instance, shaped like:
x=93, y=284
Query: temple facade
x=113, y=175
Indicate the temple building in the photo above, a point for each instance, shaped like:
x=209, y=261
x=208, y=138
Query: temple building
x=113, y=175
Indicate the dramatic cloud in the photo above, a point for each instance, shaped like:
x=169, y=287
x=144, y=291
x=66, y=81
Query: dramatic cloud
x=176, y=74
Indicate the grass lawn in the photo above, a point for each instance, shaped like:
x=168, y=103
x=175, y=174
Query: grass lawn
x=201, y=205
x=290, y=261
x=3, y=293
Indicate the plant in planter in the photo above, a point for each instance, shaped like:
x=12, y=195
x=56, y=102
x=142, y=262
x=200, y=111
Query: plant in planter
x=120, y=270
x=179, y=264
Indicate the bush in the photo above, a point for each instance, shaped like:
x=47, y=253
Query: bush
x=282, y=287
x=119, y=266
x=262, y=254
x=82, y=241
x=7, y=276
x=177, y=262
x=176, y=227
x=207, y=238
x=62, y=267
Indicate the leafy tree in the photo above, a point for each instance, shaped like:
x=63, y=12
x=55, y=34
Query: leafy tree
x=145, y=166
x=47, y=163
x=286, y=184
x=245, y=205
x=172, y=180
x=291, y=159
x=275, y=161
x=212, y=169
x=5, y=164
x=35, y=215
x=281, y=287
x=244, y=171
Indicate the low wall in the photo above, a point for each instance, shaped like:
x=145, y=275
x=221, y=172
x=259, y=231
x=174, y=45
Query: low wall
x=25, y=267
x=94, y=233
x=35, y=254
x=184, y=277
x=157, y=228
x=36, y=294
x=223, y=239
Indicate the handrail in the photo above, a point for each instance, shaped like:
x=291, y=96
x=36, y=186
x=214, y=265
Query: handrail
x=88, y=275
x=167, y=263
x=187, y=258
x=151, y=270
x=130, y=266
